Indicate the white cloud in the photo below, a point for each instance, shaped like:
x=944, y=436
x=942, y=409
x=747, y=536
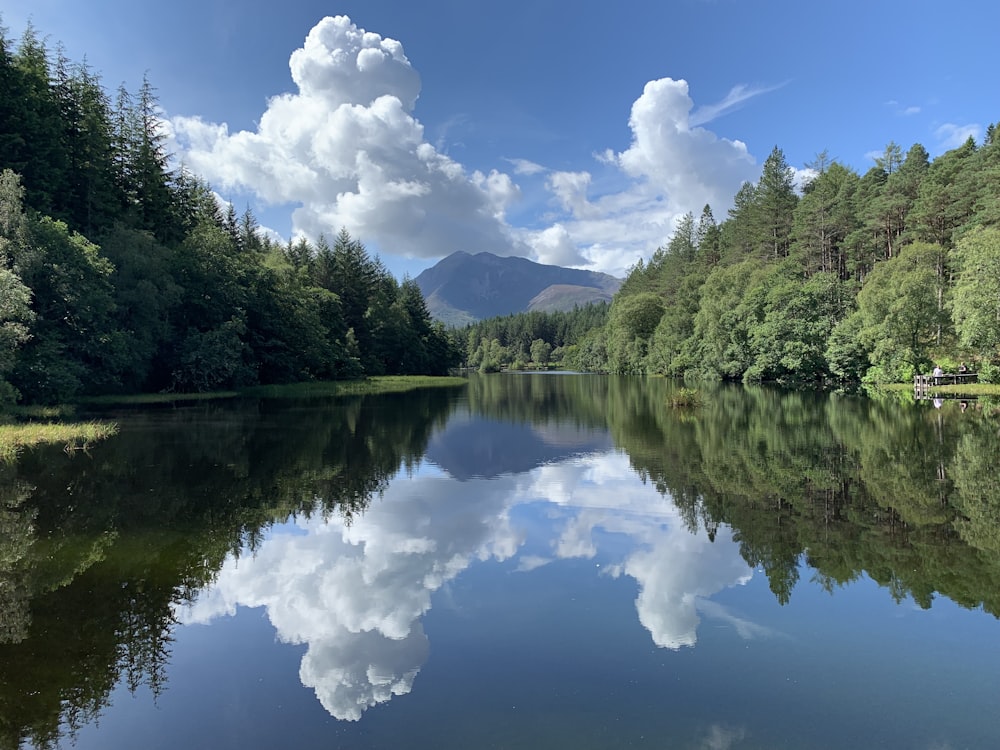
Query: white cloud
x=734, y=99
x=555, y=247
x=346, y=150
x=570, y=189
x=802, y=177
x=523, y=166
x=672, y=166
x=902, y=110
x=690, y=165
x=952, y=136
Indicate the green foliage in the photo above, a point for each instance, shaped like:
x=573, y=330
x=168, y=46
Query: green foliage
x=976, y=301
x=136, y=280
x=540, y=352
x=902, y=312
x=685, y=398
x=519, y=331
x=989, y=372
x=157, y=287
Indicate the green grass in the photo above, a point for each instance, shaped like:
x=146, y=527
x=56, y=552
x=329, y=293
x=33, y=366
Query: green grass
x=904, y=390
x=157, y=398
x=967, y=389
x=380, y=384
x=75, y=436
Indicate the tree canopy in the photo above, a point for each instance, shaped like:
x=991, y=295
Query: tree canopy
x=120, y=273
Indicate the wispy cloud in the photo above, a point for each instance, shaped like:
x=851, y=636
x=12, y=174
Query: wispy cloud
x=901, y=109
x=523, y=166
x=951, y=135
x=734, y=99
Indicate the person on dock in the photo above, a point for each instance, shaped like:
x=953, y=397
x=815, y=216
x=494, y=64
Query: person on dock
x=938, y=372
x=962, y=369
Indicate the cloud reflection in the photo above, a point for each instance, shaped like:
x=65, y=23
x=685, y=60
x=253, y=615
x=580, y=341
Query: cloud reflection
x=355, y=594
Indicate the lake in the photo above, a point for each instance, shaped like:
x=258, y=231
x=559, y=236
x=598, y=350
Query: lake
x=532, y=561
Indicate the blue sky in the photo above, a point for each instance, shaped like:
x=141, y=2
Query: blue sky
x=571, y=133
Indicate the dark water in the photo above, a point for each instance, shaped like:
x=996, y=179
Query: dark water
x=531, y=562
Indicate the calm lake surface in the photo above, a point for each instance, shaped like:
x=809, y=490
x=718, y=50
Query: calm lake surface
x=534, y=561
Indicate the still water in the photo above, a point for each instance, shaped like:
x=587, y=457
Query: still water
x=526, y=562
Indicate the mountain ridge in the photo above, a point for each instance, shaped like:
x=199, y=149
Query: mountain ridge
x=464, y=287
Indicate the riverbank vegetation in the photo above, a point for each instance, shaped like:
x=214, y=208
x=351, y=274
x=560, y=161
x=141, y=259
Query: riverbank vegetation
x=847, y=279
x=75, y=436
x=530, y=339
x=120, y=274
x=855, y=278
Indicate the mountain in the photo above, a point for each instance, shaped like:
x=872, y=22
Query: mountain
x=464, y=288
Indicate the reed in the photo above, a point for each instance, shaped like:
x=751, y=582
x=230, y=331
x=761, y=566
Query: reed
x=685, y=398
x=76, y=436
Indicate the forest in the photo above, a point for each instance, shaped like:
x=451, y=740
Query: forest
x=852, y=278
x=535, y=337
x=121, y=273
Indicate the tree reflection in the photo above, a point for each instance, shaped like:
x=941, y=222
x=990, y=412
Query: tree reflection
x=97, y=553
x=897, y=491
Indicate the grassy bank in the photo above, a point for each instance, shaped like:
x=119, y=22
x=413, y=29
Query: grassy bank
x=26, y=427
x=75, y=436
x=380, y=384
x=383, y=384
x=965, y=389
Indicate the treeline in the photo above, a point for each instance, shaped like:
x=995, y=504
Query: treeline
x=530, y=337
x=121, y=274
x=857, y=278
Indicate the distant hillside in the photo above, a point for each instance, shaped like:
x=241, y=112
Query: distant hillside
x=464, y=288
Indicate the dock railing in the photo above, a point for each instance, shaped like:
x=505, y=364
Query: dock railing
x=921, y=383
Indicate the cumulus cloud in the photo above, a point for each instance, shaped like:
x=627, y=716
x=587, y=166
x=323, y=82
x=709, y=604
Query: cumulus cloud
x=673, y=166
x=348, y=150
x=555, y=246
x=690, y=165
x=345, y=149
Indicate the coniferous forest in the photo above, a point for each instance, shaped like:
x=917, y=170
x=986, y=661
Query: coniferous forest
x=120, y=273
x=854, y=278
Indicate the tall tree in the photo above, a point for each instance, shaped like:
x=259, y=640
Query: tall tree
x=775, y=201
x=976, y=303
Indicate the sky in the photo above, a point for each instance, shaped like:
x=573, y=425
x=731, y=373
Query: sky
x=569, y=133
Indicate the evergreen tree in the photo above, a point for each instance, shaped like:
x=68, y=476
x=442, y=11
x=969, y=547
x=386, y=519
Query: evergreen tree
x=774, y=203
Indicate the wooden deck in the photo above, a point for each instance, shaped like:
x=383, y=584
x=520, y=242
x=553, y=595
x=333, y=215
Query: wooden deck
x=924, y=384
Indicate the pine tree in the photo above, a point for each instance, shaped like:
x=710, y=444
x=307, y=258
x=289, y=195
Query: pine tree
x=775, y=201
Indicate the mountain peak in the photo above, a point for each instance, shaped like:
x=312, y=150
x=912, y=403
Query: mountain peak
x=463, y=288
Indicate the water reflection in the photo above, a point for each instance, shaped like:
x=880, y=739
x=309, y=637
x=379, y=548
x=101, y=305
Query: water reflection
x=350, y=522
x=354, y=591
